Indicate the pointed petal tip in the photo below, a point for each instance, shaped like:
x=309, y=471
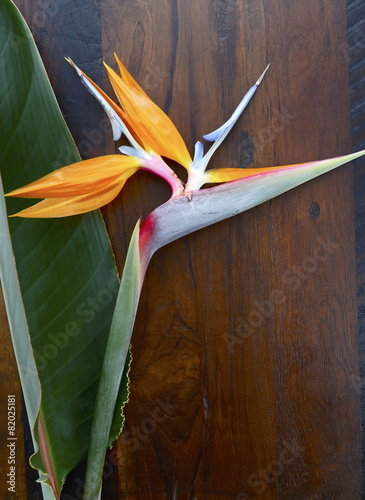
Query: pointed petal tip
x=76, y=68
x=70, y=61
x=133, y=152
x=14, y=193
x=107, y=67
x=262, y=75
x=218, y=133
x=199, y=151
x=110, y=71
x=213, y=136
x=360, y=153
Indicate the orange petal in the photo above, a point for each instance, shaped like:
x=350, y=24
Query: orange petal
x=149, y=122
x=231, y=174
x=79, y=178
x=64, y=207
x=117, y=109
x=129, y=80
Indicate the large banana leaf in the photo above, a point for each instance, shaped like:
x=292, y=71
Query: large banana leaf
x=66, y=269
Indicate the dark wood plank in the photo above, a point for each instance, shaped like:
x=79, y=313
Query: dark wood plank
x=356, y=58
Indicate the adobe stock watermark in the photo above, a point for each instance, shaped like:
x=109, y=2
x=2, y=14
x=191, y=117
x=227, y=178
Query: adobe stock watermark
x=291, y=280
x=92, y=138
x=260, y=480
x=162, y=411
x=11, y=444
x=87, y=310
x=47, y=9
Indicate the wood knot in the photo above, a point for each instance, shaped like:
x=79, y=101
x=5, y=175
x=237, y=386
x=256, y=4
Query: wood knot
x=314, y=210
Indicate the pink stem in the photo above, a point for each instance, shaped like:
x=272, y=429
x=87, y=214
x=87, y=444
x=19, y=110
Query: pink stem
x=157, y=166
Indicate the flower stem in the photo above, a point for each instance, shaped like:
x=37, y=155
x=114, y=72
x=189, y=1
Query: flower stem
x=113, y=366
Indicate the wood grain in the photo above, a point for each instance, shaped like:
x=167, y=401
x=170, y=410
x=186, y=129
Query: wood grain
x=245, y=347
x=272, y=418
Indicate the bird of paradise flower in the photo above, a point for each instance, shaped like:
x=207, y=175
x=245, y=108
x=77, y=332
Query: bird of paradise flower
x=90, y=184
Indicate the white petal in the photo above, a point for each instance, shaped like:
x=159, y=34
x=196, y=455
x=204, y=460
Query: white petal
x=199, y=151
x=214, y=136
x=117, y=129
x=129, y=151
x=226, y=127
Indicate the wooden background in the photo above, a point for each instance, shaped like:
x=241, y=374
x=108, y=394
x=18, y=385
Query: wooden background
x=245, y=380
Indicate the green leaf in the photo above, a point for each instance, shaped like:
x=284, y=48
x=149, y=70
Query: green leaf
x=66, y=270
